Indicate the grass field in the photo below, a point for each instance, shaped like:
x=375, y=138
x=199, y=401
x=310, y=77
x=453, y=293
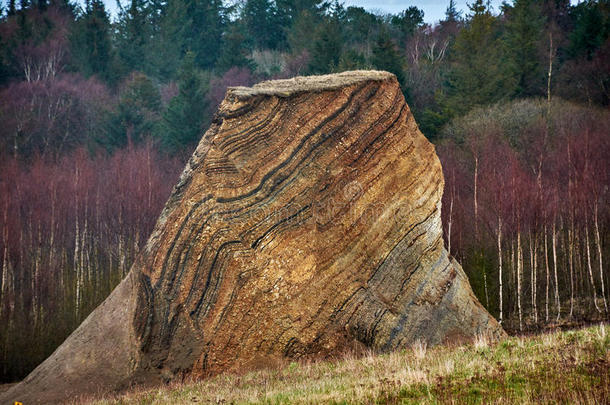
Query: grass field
x=559, y=367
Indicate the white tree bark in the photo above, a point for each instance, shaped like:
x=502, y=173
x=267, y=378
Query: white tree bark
x=533, y=254
x=476, y=205
x=500, y=265
x=519, y=269
x=5, y=267
x=549, y=76
x=450, y=220
x=571, y=234
x=548, y=276
x=77, y=271
x=557, y=300
x=599, y=253
x=587, y=247
x=571, y=265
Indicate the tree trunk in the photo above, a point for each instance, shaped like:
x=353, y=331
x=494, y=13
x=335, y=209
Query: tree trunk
x=587, y=247
x=571, y=265
x=5, y=275
x=500, y=264
x=533, y=262
x=599, y=253
x=557, y=300
x=450, y=218
x=571, y=233
x=476, y=205
x=77, y=296
x=549, y=76
x=149, y=176
x=84, y=250
x=548, y=276
x=519, y=264
x=511, y=279
x=485, y=286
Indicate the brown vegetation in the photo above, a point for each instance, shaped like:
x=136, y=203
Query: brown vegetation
x=70, y=232
x=526, y=209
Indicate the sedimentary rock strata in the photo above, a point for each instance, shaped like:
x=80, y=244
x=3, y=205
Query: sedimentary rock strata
x=308, y=218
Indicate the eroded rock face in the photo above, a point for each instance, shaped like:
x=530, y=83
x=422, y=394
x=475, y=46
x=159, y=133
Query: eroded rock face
x=307, y=218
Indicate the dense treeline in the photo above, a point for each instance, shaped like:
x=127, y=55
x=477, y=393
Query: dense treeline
x=161, y=67
x=99, y=114
x=70, y=231
x=526, y=209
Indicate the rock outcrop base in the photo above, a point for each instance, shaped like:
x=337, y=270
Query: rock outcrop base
x=307, y=219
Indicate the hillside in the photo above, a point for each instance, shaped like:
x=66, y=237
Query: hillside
x=569, y=366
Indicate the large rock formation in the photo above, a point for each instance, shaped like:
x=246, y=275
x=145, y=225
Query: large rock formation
x=308, y=218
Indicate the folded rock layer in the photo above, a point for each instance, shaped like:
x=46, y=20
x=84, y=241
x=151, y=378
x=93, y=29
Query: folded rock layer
x=308, y=218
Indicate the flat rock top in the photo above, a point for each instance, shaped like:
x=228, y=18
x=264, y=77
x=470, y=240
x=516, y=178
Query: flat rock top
x=287, y=87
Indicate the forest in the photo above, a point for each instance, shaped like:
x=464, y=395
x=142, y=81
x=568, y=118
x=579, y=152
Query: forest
x=100, y=114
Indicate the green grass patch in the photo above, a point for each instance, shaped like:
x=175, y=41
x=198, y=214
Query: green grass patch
x=560, y=367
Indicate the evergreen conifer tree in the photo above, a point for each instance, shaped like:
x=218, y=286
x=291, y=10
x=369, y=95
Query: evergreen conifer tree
x=289, y=10
x=185, y=116
x=352, y=60
x=173, y=39
x=591, y=21
x=407, y=22
x=386, y=56
x=452, y=14
x=477, y=76
x=523, y=35
x=205, y=33
x=262, y=23
x=134, y=36
x=360, y=26
x=136, y=116
x=301, y=31
x=91, y=41
x=235, y=52
x=327, y=47
x=11, y=8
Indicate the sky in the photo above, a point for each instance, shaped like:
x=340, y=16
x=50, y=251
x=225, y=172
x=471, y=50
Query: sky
x=434, y=10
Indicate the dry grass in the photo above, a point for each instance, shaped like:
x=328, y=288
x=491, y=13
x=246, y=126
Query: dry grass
x=299, y=84
x=561, y=367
